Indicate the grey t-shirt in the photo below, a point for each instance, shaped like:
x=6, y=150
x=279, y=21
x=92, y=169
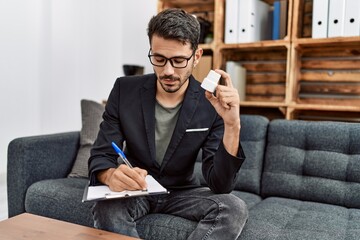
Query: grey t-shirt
x=165, y=121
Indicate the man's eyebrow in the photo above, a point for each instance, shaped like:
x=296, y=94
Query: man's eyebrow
x=160, y=55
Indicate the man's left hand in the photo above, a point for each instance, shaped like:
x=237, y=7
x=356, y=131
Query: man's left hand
x=226, y=100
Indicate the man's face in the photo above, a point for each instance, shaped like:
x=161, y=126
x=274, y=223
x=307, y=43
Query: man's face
x=172, y=79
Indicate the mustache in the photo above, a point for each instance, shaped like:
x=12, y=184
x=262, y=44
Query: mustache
x=169, y=77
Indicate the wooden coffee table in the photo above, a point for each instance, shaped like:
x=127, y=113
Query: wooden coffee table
x=30, y=227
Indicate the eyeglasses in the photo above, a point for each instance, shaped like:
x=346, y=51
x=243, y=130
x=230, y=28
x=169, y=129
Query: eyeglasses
x=176, y=62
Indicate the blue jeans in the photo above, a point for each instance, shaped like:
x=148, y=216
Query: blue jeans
x=219, y=216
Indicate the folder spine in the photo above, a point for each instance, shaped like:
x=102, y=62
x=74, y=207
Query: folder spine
x=320, y=18
x=283, y=18
x=352, y=18
x=254, y=24
x=231, y=21
x=336, y=18
x=276, y=21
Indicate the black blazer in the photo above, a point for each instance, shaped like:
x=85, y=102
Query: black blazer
x=130, y=116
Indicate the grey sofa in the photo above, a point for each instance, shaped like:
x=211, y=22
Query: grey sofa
x=301, y=180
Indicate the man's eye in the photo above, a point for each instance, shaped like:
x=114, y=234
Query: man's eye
x=178, y=60
x=159, y=59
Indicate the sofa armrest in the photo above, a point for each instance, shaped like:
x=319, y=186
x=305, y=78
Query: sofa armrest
x=35, y=158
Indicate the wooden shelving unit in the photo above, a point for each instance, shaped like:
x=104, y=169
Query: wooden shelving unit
x=325, y=73
x=294, y=78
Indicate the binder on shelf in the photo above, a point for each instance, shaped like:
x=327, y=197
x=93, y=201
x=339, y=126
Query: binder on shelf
x=283, y=18
x=254, y=22
x=238, y=77
x=336, y=18
x=320, y=18
x=352, y=18
x=231, y=21
x=279, y=19
x=276, y=21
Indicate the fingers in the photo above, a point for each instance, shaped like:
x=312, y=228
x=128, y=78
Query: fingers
x=228, y=97
x=226, y=77
x=125, y=178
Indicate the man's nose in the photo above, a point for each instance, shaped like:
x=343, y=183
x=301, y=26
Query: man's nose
x=168, y=68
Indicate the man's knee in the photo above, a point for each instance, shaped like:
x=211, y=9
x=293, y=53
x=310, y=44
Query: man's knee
x=235, y=207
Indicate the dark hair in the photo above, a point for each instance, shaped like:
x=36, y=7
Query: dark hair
x=176, y=24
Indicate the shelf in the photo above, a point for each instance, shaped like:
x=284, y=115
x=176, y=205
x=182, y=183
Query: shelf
x=262, y=104
x=327, y=73
x=206, y=47
x=188, y=5
x=266, y=69
x=321, y=114
x=296, y=77
x=320, y=42
x=184, y=3
x=322, y=107
x=270, y=112
x=275, y=44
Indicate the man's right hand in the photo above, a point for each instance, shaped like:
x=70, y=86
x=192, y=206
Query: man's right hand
x=123, y=178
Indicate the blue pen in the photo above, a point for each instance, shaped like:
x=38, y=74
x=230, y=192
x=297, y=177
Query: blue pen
x=121, y=154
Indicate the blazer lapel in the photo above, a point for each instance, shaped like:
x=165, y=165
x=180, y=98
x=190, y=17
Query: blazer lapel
x=187, y=111
x=148, y=107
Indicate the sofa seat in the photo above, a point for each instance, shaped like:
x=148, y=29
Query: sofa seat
x=62, y=199
x=284, y=218
x=250, y=199
x=300, y=180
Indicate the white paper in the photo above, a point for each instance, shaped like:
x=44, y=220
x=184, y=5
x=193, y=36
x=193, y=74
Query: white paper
x=103, y=192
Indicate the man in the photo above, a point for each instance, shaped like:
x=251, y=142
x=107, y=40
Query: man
x=165, y=119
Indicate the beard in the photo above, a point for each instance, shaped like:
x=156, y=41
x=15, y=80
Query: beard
x=171, y=83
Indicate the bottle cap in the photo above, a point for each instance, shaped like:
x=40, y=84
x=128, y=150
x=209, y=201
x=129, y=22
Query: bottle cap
x=211, y=81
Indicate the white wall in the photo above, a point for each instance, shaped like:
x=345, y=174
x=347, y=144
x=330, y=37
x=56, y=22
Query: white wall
x=53, y=53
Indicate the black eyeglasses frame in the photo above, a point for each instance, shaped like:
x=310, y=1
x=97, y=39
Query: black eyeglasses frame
x=169, y=59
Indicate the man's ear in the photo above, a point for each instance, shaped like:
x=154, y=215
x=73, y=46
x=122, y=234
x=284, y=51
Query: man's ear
x=197, y=56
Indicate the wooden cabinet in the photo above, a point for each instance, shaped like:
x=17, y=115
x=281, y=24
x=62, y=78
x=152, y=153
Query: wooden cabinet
x=297, y=77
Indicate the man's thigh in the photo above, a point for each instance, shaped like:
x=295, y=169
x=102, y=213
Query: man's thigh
x=123, y=208
x=195, y=204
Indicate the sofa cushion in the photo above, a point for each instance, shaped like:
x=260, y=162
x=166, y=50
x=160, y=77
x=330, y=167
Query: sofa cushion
x=253, y=140
x=313, y=161
x=91, y=115
x=282, y=219
x=34, y=158
x=60, y=199
x=250, y=199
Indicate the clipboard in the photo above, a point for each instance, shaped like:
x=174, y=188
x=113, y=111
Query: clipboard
x=103, y=192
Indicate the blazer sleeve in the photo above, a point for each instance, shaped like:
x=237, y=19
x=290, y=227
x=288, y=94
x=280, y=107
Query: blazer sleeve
x=220, y=169
x=102, y=155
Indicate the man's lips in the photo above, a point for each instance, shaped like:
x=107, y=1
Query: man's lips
x=169, y=81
